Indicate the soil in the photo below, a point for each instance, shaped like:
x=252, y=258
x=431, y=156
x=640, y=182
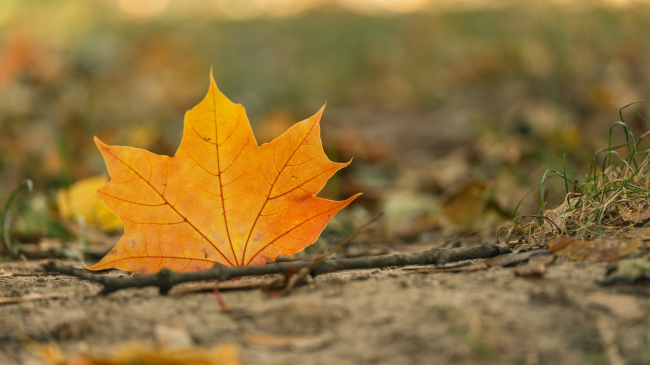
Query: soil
x=389, y=316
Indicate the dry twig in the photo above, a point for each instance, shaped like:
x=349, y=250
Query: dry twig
x=166, y=279
x=292, y=277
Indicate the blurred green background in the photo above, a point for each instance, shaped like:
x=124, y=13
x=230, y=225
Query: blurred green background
x=434, y=100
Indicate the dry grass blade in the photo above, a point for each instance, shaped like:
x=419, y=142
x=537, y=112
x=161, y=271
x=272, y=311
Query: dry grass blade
x=34, y=296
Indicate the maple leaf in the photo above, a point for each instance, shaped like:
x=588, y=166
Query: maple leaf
x=221, y=198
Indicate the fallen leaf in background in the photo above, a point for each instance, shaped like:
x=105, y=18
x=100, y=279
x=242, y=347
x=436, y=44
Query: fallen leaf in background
x=601, y=250
x=560, y=244
x=530, y=269
x=409, y=213
x=556, y=216
x=640, y=233
x=466, y=206
x=472, y=207
x=221, y=198
x=141, y=354
x=51, y=353
x=22, y=53
x=534, y=268
x=446, y=172
x=80, y=200
x=636, y=216
x=545, y=259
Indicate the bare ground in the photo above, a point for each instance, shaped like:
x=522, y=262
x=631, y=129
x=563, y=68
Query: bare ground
x=390, y=316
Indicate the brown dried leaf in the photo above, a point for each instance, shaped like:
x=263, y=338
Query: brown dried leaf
x=532, y=269
x=465, y=207
x=557, y=216
x=545, y=259
x=600, y=250
x=636, y=216
x=560, y=244
x=640, y=233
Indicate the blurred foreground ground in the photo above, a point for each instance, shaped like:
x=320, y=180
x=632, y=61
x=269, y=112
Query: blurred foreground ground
x=390, y=316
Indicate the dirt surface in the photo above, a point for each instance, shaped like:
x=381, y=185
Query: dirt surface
x=391, y=316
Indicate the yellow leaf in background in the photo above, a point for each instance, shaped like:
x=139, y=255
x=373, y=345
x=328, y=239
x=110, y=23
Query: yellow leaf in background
x=50, y=353
x=80, y=200
x=140, y=353
x=467, y=205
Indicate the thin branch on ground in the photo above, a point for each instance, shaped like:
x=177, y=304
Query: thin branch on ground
x=166, y=279
x=345, y=240
x=292, y=277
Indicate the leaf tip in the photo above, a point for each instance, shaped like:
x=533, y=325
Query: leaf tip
x=84, y=262
x=212, y=82
x=346, y=202
x=316, y=117
x=99, y=143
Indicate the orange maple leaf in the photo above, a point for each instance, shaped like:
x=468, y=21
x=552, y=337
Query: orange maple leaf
x=221, y=198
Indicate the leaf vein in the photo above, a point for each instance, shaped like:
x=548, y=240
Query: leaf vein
x=250, y=233
x=304, y=183
x=186, y=220
x=221, y=185
x=282, y=235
